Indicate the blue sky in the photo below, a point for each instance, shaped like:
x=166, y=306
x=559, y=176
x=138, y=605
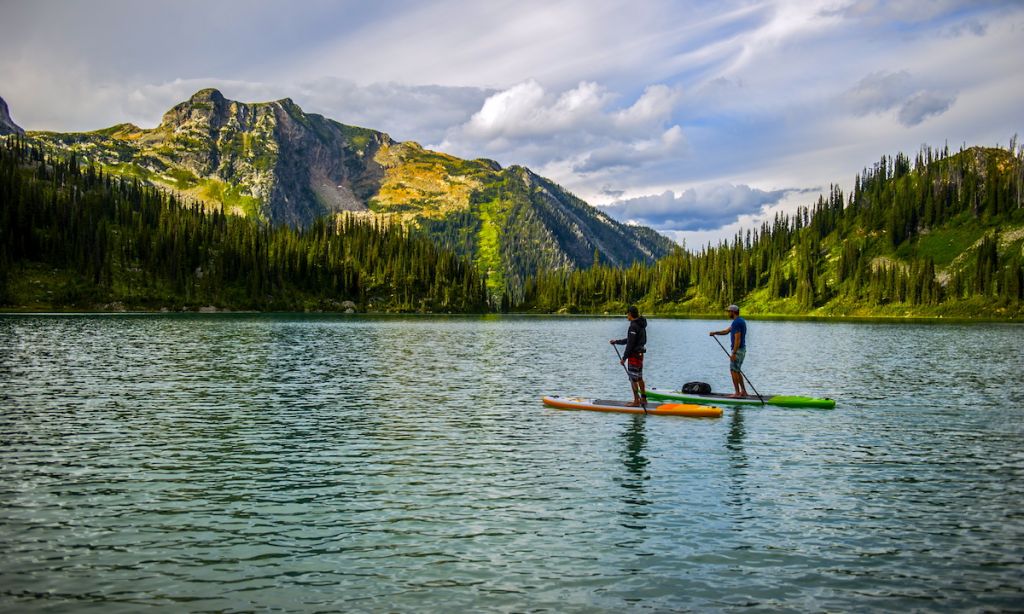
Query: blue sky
x=697, y=118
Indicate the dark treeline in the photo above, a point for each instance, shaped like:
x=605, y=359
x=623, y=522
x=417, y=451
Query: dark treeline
x=860, y=251
x=73, y=236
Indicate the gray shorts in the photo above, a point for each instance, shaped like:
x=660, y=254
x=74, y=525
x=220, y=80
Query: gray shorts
x=736, y=365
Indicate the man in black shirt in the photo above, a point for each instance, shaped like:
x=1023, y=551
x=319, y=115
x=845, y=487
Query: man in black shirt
x=633, y=356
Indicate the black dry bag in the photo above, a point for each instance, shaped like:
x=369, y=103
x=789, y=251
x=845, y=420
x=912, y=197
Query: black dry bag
x=696, y=388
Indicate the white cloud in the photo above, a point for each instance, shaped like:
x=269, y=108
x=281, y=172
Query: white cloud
x=653, y=108
x=788, y=21
x=580, y=130
x=527, y=111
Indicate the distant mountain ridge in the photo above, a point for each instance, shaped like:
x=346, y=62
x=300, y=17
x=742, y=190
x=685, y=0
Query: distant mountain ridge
x=272, y=161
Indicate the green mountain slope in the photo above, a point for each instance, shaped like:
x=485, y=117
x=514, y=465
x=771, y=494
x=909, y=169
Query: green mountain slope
x=942, y=236
x=273, y=162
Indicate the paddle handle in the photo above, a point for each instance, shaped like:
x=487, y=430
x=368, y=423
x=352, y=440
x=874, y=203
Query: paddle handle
x=619, y=354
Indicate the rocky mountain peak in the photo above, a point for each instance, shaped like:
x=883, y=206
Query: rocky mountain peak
x=7, y=125
x=209, y=94
x=204, y=107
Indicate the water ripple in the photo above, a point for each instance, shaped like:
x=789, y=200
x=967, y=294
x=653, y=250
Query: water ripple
x=225, y=463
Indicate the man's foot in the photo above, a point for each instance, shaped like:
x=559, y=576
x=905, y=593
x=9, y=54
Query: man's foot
x=633, y=403
x=735, y=395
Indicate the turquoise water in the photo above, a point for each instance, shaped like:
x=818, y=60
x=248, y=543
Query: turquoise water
x=228, y=462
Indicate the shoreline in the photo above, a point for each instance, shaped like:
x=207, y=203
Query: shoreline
x=825, y=319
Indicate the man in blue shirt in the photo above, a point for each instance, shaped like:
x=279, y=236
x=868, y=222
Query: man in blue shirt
x=737, y=332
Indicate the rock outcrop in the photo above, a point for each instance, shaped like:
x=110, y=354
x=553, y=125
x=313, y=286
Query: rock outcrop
x=7, y=125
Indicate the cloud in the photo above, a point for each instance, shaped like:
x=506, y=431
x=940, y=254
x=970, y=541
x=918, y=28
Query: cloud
x=653, y=108
x=706, y=208
x=607, y=190
x=504, y=42
x=669, y=144
x=880, y=92
x=923, y=105
x=610, y=98
x=972, y=26
x=580, y=131
x=422, y=113
x=527, y=111
x=904, y=13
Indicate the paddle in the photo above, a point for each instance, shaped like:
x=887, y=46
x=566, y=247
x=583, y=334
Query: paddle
x=759, y=397
x=643, y=404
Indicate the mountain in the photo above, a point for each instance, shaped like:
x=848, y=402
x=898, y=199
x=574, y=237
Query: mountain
x=274, y=162
x=265, y=160
x=942, y=235
x=7, y=125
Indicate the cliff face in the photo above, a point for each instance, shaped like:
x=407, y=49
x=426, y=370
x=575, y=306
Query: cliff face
x=272, y=161
x=7, y=125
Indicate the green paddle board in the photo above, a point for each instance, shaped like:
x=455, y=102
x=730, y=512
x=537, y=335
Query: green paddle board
x=717, y=398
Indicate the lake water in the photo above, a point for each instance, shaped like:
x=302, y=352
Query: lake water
x=232, y=462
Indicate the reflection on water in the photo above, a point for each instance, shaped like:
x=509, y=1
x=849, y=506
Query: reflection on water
x=634, y=442
x=225, y=463
x=734, y=442
x=737, y=459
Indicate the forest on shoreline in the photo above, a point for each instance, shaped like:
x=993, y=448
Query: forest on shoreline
x=75, y=238
x=941, y=236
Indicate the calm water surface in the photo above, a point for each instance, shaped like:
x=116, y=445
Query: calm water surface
x=231, y=463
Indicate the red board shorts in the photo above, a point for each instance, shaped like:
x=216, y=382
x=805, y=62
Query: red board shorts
x=635, y=367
